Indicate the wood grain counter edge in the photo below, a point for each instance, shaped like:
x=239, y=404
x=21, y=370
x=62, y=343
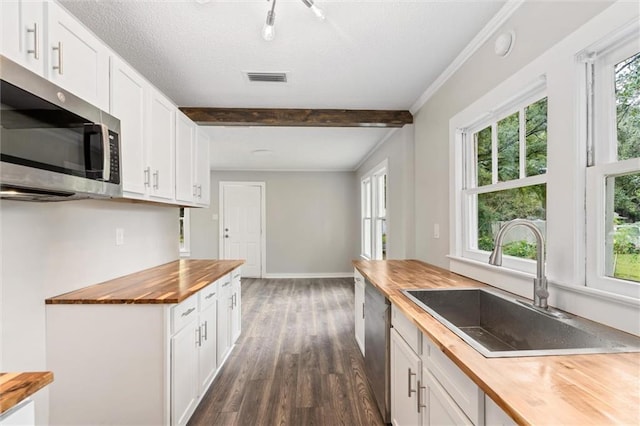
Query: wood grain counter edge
x=15, y=387
x=567, y=397
x=170, y=283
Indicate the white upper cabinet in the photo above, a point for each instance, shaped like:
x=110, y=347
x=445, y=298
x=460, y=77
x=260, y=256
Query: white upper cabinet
x=186, y=188
x=23, y=33
x=161, y=146
x=202, y=172
x=77, y=60
x=127, y=97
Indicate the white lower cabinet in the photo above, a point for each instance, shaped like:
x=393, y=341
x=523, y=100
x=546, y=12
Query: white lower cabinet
x=427, y=388
x=193, y=352
x=184, y=372
x=236, y=306
x=494, y=415
x=163, y=357
x=224, y=317
x=406, y=369
x=359, y=309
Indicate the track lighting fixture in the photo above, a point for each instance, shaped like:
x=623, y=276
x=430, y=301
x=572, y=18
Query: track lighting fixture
x=315, y=9
x=269, y=31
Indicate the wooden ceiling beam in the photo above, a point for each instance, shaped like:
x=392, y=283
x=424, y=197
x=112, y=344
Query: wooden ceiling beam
x=297, y=117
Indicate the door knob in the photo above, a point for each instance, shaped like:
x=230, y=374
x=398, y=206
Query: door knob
x=226, y=235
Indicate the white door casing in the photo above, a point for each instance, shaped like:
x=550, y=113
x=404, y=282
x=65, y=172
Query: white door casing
x=242, y=207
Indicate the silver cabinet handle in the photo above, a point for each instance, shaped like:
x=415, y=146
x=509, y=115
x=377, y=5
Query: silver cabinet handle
x=420, y=405
x=199, y=191
x=195, y=190
x=147, y=176
x=205, y=330
x=187, y=312
x=231, y=300
x=60, y=66
x=410, y=391
x=156, y=179
x=363, y=311
x=36, y=41
x=210, y=295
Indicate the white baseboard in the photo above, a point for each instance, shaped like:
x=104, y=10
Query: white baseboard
x=311, y=275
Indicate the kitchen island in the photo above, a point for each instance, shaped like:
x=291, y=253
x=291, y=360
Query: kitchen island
x=143, y=348
x=567, y=389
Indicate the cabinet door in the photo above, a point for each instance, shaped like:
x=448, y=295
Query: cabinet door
x=127, y=102
x=494, y=415
x=405, y=374
x=440, y=409
x=23, y=33
x=184, y=373
x=160, y=143
x=359, y=312
x=203, y=171
x=78, y=61
x=224, y=318
x=186, y=188
x=236, y=311
x=207, y=357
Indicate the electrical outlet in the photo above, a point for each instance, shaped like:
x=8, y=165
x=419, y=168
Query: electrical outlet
x=436, y=230
x=119, y=236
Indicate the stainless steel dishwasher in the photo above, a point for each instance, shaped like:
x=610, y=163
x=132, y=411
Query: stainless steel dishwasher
x=377, y=323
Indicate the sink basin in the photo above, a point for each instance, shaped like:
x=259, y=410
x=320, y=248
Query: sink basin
x=497, y=325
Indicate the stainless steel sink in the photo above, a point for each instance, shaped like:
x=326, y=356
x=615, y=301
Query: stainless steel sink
x=498, y=325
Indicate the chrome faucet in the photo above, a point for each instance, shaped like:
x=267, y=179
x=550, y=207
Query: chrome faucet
x=540, y=291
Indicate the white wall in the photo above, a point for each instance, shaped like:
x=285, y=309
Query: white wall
x=311, y=221
x=398, y=150
x=538, y=26
x=52, y=248
x=473, y=91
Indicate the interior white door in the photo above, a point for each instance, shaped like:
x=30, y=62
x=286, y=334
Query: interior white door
x=242, y=226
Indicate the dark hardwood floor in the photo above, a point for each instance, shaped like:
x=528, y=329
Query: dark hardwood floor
x=296, y=362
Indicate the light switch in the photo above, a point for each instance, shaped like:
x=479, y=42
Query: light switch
x=436, y=230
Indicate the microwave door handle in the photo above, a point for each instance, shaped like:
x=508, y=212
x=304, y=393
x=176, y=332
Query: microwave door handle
x=106, y=150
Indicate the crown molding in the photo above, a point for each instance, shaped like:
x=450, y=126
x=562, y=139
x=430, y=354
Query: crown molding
x=487, y=32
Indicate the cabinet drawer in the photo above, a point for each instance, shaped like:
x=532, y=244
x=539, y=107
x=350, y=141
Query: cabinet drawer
x=406, y=329
x=461, y=388
x=183, y=313
x=235, y=274
x=208, y=295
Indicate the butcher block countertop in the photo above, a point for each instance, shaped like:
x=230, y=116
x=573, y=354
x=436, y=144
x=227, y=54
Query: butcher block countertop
x=169, y=283
x=15, y=387
x=569, y=389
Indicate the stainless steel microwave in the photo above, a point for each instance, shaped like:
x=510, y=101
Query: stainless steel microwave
x=53, y=145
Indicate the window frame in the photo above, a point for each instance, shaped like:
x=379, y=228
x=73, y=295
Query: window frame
x=370, y=184
x=602, y=146
x=467, y=165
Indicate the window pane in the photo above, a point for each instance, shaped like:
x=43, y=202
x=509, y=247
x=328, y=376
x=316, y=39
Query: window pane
x=483, y=155
x=181, y=228
x=366, y=237
x=509, y=148
x=536, y=125
x=623, y=241
x=627, y=75
x=382, y=195
x=366, y=198
x=381, y=239
x=496, y=208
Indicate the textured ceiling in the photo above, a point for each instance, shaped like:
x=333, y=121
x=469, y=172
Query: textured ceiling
x=378, y=54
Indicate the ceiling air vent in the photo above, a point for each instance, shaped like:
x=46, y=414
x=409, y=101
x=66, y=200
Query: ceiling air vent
x=269, y=77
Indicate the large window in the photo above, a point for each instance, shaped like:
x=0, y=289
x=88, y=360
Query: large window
x=505, y=164
x=613, y=214
x=373, y=190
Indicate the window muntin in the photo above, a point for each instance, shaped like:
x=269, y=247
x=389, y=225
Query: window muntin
x=366, y=217
x=507, y=180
